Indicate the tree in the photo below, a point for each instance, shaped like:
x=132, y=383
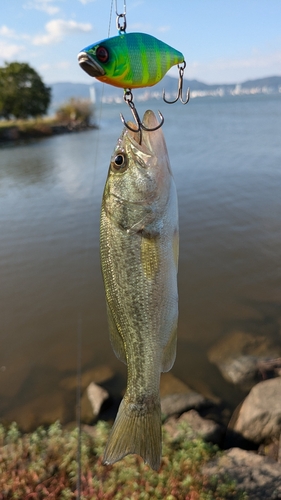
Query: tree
x=22, y=92
x=76, y=112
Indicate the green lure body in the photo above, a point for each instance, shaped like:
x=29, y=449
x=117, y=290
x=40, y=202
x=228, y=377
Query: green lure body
x=129, y=60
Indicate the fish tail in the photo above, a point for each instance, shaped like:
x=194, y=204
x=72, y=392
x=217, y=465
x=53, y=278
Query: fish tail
x=137, y=432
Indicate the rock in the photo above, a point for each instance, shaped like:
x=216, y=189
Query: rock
x=98, y=375
x=97, y=395
x=92, y=401
x=270, y=368
x=241, y=370
x=259, y=417
x=198, y=427
x=175, y=404
x=169, y=384
x=272, y=449
x=258, y=476
x=238, y=355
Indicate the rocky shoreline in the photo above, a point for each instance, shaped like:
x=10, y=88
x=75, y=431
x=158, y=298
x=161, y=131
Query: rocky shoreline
x=250, y=444
x=16, y=133
x=249, y=439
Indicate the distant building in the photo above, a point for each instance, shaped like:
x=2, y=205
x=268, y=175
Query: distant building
x=93, y=96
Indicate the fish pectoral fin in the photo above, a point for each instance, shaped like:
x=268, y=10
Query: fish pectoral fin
x=135, y=432
x=115, y=337
x=150, y=257
x=169, y=351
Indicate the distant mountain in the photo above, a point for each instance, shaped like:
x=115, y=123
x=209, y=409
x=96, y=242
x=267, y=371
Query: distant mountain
x=63, y=91
x=273, y=82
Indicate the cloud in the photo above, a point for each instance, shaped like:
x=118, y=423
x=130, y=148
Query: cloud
x=10, y=50
x=255, y=65
x=163, y=29
x=253, y=61
x=44, y=5
x=5, y=31
x=256, y=60
x=57, y=29
x=10, y=33
x=58, y=65
x=84, y=2
x=147, y=27
x=136, y=4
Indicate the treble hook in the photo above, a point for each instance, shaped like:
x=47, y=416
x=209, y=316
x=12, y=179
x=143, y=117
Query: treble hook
x=128, y=98
x=180, y=84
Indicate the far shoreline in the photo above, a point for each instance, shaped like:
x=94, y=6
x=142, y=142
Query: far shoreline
x=37, y=129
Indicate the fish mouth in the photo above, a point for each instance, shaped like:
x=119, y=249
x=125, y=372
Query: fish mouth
x=89, y=65
x=146, y=138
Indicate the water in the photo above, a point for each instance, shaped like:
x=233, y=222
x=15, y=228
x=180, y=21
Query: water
x=226, y=158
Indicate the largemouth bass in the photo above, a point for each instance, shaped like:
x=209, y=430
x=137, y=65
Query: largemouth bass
x=139, y=257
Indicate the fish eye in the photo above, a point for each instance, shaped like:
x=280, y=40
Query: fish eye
x=119, y=160
x=119, y=164
x=102, y=54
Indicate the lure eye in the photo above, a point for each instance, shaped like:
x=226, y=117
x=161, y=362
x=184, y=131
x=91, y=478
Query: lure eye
x=102, y=54
x=119, y=164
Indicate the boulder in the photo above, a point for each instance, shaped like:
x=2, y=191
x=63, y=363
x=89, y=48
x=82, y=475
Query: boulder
x=97, y=396
x=258, y=476
x=99, y=374
x=175, y=404
x=92, y=401
x=239, y=354
x=271, y=449
x=259, y=417
x=197, y=427
x=169, y=384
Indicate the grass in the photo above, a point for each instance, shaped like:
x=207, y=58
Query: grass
x=43, y=465
x=37, y=127
x=29, y=121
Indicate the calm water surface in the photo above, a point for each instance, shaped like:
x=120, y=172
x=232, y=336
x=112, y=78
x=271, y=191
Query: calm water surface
x=226, y=158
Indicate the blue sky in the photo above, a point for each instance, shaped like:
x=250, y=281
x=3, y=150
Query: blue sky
x=224, y=41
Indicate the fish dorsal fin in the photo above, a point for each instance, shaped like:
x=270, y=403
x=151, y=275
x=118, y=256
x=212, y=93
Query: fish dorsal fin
x=115, y=337
x=169, y=351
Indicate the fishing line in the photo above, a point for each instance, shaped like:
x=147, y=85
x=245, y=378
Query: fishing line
x=79, y=320
x=110, y=18
x=78, y=404
x=101, y=102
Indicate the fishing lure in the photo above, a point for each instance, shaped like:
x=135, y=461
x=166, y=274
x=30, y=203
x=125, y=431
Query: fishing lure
x=130, y=61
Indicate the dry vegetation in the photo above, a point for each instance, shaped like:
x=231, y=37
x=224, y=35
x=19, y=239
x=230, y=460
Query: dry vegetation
x=43, y=465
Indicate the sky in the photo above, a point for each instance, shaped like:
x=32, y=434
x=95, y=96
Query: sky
x=223, y=41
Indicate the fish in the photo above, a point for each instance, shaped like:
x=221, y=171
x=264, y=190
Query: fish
x=129, y=60
x=139, y=246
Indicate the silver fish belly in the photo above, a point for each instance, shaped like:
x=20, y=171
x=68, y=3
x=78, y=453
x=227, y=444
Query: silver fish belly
x=139, y=258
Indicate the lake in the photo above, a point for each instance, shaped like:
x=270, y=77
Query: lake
x=226, y=158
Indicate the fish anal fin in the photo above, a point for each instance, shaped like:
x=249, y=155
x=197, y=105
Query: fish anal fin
x=136, y=432
x=115, y=337
x=169, y=351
